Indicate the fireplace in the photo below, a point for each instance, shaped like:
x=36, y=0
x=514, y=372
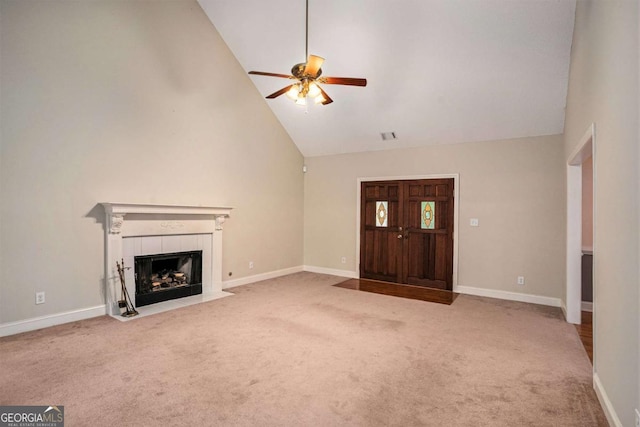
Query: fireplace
x=141, y=230
x=163, y=277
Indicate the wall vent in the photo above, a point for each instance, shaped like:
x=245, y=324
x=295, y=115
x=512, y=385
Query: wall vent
x=386, y=136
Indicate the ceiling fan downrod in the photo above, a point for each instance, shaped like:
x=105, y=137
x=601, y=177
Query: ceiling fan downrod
x=306, y=34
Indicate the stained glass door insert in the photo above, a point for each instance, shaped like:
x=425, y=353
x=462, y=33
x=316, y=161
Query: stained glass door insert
x=382, y=213
x=428, y=216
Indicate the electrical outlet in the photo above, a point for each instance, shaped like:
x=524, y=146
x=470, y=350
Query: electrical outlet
x=343, y=260
x=250, y=264
x=39, y=297
x=520, y=280
x=474, y=222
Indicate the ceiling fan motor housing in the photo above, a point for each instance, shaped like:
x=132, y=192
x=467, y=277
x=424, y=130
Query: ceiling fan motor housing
x=298, y=72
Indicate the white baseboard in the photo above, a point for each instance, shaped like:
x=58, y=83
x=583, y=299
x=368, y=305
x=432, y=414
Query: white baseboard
x=563, y=307
x=606, y=404
x=331, y=271
x=259, y=277
x=587, y=306
x=12, y=328
x=511, y=296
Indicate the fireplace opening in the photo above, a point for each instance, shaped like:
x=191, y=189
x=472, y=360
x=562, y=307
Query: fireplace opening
x=164, y=277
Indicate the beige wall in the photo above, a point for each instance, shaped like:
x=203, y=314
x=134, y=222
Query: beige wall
x=603, y=89
x=515, y=188
x=133, y=102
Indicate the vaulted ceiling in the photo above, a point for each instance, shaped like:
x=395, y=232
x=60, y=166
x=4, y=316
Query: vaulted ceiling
x=438, y=71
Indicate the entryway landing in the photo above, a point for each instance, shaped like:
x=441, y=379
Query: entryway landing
x=400, y=290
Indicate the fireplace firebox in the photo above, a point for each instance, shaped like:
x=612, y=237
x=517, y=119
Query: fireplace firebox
x=164, y=277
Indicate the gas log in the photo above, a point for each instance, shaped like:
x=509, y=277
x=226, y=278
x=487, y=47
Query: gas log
x=168, y=279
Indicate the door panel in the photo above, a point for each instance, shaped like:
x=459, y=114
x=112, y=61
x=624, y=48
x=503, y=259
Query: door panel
x=428, y=253
x=381, y=250
x=416, y=245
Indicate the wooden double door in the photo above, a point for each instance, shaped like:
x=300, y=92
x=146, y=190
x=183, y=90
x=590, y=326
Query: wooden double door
x=406, y=232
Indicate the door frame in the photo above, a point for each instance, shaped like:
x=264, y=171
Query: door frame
x=586, y=147
x=456, y=212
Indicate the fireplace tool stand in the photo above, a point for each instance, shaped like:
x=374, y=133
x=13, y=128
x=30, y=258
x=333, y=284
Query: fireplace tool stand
x=125, y=301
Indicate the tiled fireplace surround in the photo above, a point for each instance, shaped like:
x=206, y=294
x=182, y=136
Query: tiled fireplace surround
x=139, y=229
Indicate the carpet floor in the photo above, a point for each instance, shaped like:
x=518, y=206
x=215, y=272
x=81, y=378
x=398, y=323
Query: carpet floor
x=298, y=351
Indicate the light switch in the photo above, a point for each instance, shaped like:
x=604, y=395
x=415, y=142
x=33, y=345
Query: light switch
x=474, y=222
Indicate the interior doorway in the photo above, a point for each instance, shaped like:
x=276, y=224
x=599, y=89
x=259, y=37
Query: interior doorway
x=585, y=150
x=406, y=232
x=587, y=236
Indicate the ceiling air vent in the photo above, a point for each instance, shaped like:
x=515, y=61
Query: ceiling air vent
x=388, y=136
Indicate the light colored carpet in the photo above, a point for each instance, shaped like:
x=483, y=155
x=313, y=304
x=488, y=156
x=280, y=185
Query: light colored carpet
x=297, y=351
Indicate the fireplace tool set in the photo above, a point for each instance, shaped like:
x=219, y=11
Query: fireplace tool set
x=125, y=301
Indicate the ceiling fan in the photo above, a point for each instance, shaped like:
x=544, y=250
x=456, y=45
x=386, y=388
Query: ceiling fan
x=307, y=76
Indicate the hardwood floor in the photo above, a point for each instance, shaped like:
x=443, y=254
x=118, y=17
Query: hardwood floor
x=585, y=330
x=403, y=291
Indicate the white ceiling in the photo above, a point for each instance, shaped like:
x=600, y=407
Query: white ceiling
x=438, y=71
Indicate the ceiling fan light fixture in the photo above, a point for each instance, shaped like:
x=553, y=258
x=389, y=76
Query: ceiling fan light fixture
x=319, y=99
x=314, y=90
x=301, y=101
x=293, y=92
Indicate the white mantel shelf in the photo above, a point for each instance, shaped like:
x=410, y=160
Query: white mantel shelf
x=116, y=212
x=132, y=208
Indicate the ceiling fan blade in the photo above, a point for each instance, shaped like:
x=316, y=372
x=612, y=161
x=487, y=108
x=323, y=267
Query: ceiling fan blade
x=349, y=81
x=280, y=92
x=262, y=73
x=327, y=98
x=313, y=65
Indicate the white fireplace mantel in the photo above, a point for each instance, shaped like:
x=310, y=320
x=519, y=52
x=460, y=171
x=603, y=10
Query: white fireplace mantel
x=116, y=212
x=150, y=222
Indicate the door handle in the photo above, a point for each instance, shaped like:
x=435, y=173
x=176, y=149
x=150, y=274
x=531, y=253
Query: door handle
x=399, y=236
